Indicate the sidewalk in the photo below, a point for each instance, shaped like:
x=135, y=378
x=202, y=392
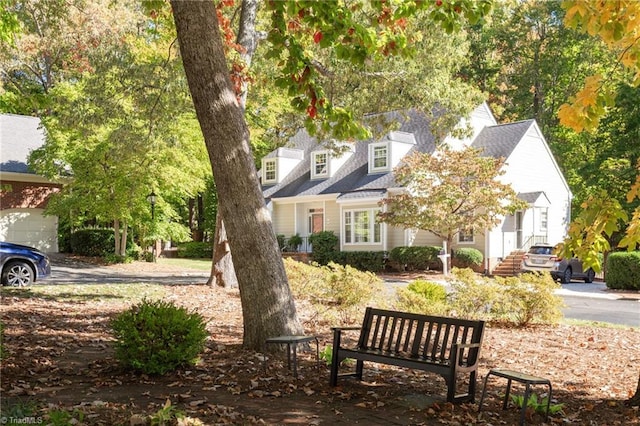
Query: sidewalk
x=597, y=290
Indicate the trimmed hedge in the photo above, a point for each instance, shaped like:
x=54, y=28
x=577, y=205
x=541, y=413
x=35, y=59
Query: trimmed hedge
x=324, y=247
x=415, y=258
x=467, y=257
x=623, y=270
x=195, y=250
x=93, y=242
x=372, y=261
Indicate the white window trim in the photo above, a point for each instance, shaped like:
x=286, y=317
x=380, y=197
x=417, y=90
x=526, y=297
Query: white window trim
x=315, y=175
x=264, y=171
x=473, y=238
x=544, y=224
x=373, y=213
x=372, y=148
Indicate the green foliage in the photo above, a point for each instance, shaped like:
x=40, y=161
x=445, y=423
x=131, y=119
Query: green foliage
x=59, y=417
x=112, y=259
x=539, y=407
x=423, y=297
x=623, y=270
x=372, y=261
x=93, y=242
x=530, y=298
x=282, y=241
x=522, y=300
x=333, y=290
x=326, y=354
x=324, y=245
x=467, y=257
x=293, y=242
x=195, y=250
x=156, y=337
x=414, y=258
x=166, y=415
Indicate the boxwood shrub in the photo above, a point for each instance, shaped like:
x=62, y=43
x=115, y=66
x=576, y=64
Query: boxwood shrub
x=415, y=258
x=467, y=257
x=324, y=247
x=371, y=261
x=195, y=250
x=623, y=270
x=156, y=337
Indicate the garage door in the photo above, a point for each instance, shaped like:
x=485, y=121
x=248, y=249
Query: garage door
x=29, y=227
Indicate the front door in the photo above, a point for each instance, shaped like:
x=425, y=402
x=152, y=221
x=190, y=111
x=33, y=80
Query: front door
x=316, y=221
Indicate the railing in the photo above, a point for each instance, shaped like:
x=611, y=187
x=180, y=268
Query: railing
x=295, y=244
x=532, y=240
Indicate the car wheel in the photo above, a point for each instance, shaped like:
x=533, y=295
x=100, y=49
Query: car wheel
x=591, y=274
x=566, y=276
x=17, y=274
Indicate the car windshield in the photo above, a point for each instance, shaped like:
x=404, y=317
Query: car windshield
x=540, y=250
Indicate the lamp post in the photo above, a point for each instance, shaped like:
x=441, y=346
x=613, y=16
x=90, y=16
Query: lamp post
x=152, y=200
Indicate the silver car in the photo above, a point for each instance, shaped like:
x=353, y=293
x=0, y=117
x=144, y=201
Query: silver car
x=542, y=258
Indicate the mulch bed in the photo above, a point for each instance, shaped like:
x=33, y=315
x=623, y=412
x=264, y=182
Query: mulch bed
x=60, y=355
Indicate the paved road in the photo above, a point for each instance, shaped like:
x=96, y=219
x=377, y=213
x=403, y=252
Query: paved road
x=591, y=302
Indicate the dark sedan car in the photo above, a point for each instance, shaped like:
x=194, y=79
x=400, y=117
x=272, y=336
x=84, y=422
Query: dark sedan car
x=22, y=265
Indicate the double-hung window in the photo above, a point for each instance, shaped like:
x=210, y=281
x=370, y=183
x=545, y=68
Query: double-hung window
x=361, y=227
x=269, y=173
x=465, y=236
x=379, y=157
x=320, y=167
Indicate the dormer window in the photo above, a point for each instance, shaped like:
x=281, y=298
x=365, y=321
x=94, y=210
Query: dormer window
x=320, y=167
x=379, y=157
x=269, y=171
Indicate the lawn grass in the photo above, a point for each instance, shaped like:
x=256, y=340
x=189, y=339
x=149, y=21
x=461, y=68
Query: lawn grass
x=86, y=292
x=201, y=264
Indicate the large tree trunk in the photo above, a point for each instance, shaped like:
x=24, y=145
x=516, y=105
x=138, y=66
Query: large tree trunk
x=222, y=271
x=267, y=304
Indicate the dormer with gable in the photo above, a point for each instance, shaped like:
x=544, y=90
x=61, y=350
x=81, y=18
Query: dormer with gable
x=385, y=155
x=325, y=162
x=278, y=164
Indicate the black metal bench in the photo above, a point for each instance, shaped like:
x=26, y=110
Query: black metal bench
x=445, y=346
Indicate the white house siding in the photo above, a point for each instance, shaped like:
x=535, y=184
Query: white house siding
x=29, y=227
x=332, y=217
x=283, y=217
x=531, y=168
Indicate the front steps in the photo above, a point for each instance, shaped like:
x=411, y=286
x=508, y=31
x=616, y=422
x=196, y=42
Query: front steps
x=510, y=266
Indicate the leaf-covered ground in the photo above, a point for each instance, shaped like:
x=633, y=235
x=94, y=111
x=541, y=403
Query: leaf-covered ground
x=61, y=358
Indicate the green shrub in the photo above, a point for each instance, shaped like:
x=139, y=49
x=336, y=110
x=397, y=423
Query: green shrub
x=473, y=296
x=372, y=261
x=155, y=337
x=623, y=270
x=324, y=246
x=415, y=258
x=423, y=297
x=467, y=257
x=282, y=241
x=334, y=291
x=530, y=298
x=93, y=242
x=195, y=250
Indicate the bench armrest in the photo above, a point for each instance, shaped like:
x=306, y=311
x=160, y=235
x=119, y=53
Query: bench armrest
x=459, y=349
x=334, y=329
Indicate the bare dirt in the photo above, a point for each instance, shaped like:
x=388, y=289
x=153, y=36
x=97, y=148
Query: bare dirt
x=60, y=356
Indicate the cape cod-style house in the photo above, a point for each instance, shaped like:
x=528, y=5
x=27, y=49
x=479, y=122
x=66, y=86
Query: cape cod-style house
x=309, y=189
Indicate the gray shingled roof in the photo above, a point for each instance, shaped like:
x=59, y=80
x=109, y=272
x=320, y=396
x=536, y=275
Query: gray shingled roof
x=353, y=176
x=500, y=141
x=19, y=135
x=531, y=197
x=353, y=179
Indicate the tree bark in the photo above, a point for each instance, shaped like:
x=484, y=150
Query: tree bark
x=267, y=304
x=222, y=270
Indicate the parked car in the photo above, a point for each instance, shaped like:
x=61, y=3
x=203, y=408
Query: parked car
x=22, y=265
x=543, y=258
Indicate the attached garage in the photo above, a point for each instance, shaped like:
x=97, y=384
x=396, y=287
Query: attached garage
x=24, y=194
x=29, y=227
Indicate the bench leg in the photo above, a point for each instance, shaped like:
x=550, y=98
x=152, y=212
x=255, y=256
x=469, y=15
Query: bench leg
x=525, y=403
x=359, y=368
